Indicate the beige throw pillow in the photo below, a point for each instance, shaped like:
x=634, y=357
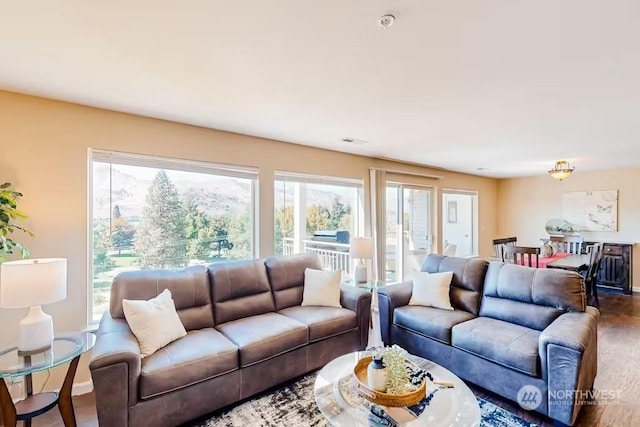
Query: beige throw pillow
x=432, y=290
x=321, y=288
x=155, y=322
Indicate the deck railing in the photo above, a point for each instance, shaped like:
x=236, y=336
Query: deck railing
x=333, y=256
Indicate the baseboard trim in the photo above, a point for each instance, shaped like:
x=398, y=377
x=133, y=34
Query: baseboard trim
x=82, y=388
x=636, y=289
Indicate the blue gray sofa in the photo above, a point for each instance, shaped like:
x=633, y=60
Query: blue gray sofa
x=511, y=326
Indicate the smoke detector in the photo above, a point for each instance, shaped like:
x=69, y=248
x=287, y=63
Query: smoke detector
x=354, y=141
x=386, y=21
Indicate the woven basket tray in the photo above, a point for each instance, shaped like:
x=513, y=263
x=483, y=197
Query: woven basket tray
x=385, y=399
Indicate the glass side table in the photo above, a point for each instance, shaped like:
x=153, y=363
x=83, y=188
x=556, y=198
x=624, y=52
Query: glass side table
x=372, y=286
x=67, y=347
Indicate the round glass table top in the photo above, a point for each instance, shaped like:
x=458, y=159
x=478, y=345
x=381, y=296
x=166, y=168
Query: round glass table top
x=339, y=401
x=65, y=348
x=369, y=285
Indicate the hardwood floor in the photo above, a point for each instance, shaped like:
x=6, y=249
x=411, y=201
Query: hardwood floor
x=618, y=369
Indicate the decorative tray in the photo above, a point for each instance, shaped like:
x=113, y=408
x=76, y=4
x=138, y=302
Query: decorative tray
x=386, y=399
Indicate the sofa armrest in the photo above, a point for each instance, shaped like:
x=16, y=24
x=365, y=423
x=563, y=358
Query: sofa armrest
x=568, y=350
x=389, y=298
x=359, y=301
x=115, y=369
x=573, y=330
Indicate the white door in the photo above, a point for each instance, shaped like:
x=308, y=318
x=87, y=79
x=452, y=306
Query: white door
x=459, y=222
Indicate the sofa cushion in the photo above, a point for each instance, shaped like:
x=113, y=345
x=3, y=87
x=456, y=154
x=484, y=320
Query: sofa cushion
x=286, y=276
x=468, y=279
x=264, y=336
x=432, y=290
x=501, y=342
x=323, y=322
x=189, y=289
x=196, y=357
x=431, y=322
x=154, y=322
x=531, y=297
x=321, y=288
x=240, y=289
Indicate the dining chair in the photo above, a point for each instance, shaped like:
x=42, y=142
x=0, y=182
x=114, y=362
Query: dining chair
x=595, y=252
x=522, y=255
x=499, y=243
x=570, y=245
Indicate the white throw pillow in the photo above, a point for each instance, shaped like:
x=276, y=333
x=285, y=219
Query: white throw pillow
x=432, y=290
x=321, y=288
x=155, y=322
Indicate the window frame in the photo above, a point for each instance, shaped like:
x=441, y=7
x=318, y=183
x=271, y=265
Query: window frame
x=308, y=178
x=159, y=162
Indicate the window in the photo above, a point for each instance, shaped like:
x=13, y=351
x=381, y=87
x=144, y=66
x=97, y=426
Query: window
x=318, y=214
x=460, y=222
x=150, y=212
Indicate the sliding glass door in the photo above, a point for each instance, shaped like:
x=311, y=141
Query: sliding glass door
x=408, y=230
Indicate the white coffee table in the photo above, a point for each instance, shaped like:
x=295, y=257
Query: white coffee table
x=340, y=402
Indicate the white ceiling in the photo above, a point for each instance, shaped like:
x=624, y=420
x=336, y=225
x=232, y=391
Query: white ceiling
x=508, y=85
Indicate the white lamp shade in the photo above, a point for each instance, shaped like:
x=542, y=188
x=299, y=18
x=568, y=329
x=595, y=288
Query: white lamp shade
x=32, y=282
x=361, y=248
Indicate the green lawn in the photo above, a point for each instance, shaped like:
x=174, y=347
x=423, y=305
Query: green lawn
x=125, y=260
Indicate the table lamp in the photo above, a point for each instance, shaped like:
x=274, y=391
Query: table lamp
x=33, y=283
x=361, y=248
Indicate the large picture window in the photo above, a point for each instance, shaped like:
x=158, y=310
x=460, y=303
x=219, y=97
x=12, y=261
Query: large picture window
x=318, y=214
x=150, y=212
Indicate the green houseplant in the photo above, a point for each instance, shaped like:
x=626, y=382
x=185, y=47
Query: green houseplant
x=9, y=217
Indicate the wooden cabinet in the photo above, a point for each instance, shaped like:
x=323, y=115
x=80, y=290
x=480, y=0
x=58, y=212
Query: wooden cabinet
x=615, y=268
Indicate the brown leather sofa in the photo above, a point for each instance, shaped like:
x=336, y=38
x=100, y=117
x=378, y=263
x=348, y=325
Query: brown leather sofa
x=246, y=332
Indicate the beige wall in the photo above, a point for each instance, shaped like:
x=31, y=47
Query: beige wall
x=44, y=154
x=525, y=205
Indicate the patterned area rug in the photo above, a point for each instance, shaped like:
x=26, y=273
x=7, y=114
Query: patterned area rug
x=294, y=405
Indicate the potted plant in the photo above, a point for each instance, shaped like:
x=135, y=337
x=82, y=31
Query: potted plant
x=9, y=216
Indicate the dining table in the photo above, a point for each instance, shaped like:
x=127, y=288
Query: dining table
x=571, y=262
x=543, y=261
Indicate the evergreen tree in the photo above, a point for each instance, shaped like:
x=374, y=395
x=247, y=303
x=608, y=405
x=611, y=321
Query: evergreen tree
x=159, y=239
x=116, y=212
x=240, y=235
x=122, y=233
x=337, y=212
x=221, y=242
x=198, y=231
x=101, y=244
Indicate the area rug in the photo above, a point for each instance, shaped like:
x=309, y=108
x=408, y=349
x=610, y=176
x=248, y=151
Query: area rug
x=294, y=404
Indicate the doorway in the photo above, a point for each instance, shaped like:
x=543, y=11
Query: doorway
x=459, y=221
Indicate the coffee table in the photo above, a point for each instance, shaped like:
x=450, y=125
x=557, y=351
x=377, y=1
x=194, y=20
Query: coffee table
x=340, y=402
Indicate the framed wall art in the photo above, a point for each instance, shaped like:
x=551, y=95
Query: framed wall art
x=591, y=210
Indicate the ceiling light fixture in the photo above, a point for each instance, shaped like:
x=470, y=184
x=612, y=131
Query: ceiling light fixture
x=386, y=21
x=561, y=170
